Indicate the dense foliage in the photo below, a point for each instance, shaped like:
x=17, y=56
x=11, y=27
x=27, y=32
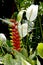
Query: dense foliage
x=31, y=42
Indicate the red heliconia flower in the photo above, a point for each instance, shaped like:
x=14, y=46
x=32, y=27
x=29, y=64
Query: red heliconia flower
x=15, y=38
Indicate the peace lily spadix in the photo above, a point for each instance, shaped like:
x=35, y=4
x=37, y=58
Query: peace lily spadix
x=31, y=12
x=23, y=29
x=20, y=15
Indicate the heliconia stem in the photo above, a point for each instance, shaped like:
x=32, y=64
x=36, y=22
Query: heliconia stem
x=15, y=38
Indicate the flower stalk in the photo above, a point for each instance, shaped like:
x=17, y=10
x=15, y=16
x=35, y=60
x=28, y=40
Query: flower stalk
x=41, y=28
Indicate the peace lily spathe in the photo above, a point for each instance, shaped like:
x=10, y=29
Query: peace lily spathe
x=20, y=15
x=23, y=29
x=2, y=37
x=31, y=12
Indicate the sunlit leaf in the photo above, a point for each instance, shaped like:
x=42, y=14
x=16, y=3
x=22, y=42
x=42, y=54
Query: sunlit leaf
x=38, y=62
x=24, y=62
x=7, y=60
x=20, y=15
x=40, y=49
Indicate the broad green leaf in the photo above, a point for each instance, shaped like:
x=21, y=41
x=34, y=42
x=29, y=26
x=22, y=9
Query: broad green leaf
x=7, y=60
x=24, y=52
x=40, y=49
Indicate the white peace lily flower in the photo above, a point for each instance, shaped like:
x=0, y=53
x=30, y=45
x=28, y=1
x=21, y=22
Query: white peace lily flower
x=24, y=62
x=23, y=29
x=1, y=62
x=2, y=37
x=20, y=15
x=31, y=12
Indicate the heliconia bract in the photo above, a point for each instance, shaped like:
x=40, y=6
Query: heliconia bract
x=15, y=38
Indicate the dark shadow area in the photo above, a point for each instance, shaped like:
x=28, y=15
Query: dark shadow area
x=37, y=1
x=7, y=8
x=4, y=29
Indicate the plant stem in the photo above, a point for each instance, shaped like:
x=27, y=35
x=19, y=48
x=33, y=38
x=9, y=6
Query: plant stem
x=41, y=28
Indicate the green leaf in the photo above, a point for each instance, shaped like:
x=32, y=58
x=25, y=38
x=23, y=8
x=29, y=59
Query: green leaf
x=24, y=62
x=40, y=49
x=8, y=60
x=24, y=52
x=14, y=15
x=38, y=63
x=20, y=15
x=18, y=55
